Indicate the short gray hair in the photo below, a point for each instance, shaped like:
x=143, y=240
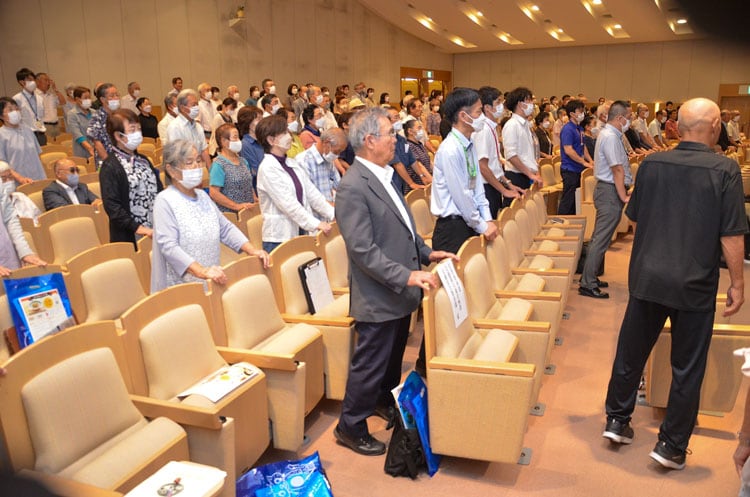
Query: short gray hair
x=171, y=97
x=182, y=97
x=334, y=136
x=365, y=122
x=175, y=154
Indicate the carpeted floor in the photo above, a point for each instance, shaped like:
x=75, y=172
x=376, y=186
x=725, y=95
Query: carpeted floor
x=570, y=458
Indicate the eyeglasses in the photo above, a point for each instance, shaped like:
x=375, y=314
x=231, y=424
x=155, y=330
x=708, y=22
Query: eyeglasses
x=391, y=132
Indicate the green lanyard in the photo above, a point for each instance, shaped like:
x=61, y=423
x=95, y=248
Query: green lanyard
x=471, y=167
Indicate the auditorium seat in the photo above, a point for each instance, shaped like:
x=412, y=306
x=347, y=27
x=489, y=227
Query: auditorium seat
x=247, y=319
x=67, y=231
x=59, y=419
x=34, y=190
x=479, y=388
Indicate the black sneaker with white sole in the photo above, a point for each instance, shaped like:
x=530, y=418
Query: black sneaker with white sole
x=618, y=432
x=667, y=456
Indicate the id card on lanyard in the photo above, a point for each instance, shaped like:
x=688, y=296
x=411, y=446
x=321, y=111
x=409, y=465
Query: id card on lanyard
x=471, y=166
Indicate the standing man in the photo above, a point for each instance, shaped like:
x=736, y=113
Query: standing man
x=170, y=106
x=575, y=157
x=176, y=86
x=518, y=141
x=185, y=126
x=386, y=280
x=52, y=98
x=613, y=178
x=31, y=105
x=129, y=100
x=496, y=185
x=688, y=204
x=320, y=161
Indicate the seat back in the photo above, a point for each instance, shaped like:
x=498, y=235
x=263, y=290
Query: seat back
x=92, y=181
x=524, y=227
x=588, y=184
x=333, y=248
x=548, y=175
x=251, y=224
x=245, y=310
x=498, y=262
x=423, y=220
x=169, y=342
x=112, y=265
x=53, y=409
x=49, y=158
x=474, y=272
x=67, y=231
x=144, y=252
x=287, y=258
x=513, y=242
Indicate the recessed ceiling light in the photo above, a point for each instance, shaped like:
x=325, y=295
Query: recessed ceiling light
x=681, y=21
x=535, y=8
x=559, y=30
x=479, y=14
x=596, y=2
x=617, y=26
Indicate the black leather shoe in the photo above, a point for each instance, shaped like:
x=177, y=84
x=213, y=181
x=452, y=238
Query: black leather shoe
x=601, y=284
x=593, y=293
x=388, y=413
x=367, y=445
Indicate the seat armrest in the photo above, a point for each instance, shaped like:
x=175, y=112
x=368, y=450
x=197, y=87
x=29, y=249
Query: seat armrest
x=65, y=487
x=491, y=324
x=559, y=253
x=484, y=367
x=339, y=290
x=563, y=226
x=739, y=330
x=541, y=272
x=504, y=294
x=263, y=360
x=541, y=238
x=179, y=413
x=318, y=320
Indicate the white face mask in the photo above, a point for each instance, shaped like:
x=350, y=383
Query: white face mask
x=175, y=111
x=546, y=124
x=645, y=115
x=236, y=96
x=30, y=86
x=113, y=104
x=420, y=135
x=136, y=93
x=294, y=91
x=319, y=99
x=86, y=103
x=194, y=111
x=235, y=146
x=626, y=126
x=330, y=156
x=579, y=117
x=134, y=139
x=147, y=109
x=736, y=119
x=256, y=94
x=320, y=122
x=398, y=126
x=208, y=95
x=663, y=120
x=272, y=90
x=528, y=109
x=293, y=126
x=476, y=124
x=275, y=108
x=191, y=178
x=7, y=188
x=499, y=108
x=435, y=108
x=14, y=117
x=284, y=142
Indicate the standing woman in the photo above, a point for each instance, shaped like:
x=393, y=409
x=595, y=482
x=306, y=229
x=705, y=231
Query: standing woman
x=421, y=170
x=287, y=196
x=77, y=122
x=231, y=184
x=128, y=180
x=149, y=123
x=189, y=227
x=544, y=134
x=224, y=114
x=18, y=145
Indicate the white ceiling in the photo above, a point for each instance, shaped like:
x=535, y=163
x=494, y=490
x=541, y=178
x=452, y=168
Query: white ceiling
x=643, y=20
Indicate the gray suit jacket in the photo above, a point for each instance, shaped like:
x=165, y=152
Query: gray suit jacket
x=55, y=195
x=382, y=251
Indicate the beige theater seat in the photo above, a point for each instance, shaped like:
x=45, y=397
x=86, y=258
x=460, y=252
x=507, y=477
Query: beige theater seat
x=467, y=366
x=419, y=205
x=539, y=260
x=105, y=281
x=563, y=246
x=333, y=248
x=34, y=189
x=251, y=224
x=535, y=313
x=291, y=355
x=67, y=231
x=723, y=377
x=59, y=419
x=333, y=320
x=169, y=344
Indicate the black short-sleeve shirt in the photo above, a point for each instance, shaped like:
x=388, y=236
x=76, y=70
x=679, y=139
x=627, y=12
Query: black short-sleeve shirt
x=684, y=201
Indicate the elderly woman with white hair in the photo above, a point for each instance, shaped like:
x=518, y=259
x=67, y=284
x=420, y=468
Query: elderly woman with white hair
x=188, y=226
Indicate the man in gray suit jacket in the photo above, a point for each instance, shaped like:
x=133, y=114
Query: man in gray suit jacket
x=61, y=191
x=386, y=280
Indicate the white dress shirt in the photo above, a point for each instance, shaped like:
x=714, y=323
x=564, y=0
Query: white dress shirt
x=456, y=188
x=206, y=114
x=182, y=129
x=487, y=147
x=50, y=105
x=519, y=142
x=162, y=127
x=128, y=102
x=385, y=175
x=31, y=106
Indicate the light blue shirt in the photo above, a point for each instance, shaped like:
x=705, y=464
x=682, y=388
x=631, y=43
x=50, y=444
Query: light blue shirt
x=610, y=152
x=456, y=183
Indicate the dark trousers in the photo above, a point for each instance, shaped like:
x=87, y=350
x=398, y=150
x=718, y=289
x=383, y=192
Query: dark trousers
x=41, y=138
x=691, y=336
x=495, y=198
x=518, y=179
x=571, y=181
x=375, y=369
x=449, y=235
x=608, y=215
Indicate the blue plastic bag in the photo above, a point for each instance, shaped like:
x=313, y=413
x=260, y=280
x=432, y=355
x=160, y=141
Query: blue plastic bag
x=301, y=478
x=39, y=306
x=413, y=399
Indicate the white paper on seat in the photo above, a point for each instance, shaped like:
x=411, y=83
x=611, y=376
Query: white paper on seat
x=455, y=290
x=219, y=383
x=197, y=480
x=316, y=285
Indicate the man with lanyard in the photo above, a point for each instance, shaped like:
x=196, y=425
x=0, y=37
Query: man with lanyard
x=613, y=179
x=575, y=157
x=457, y=197
x=30, y=104
x=496, y=185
